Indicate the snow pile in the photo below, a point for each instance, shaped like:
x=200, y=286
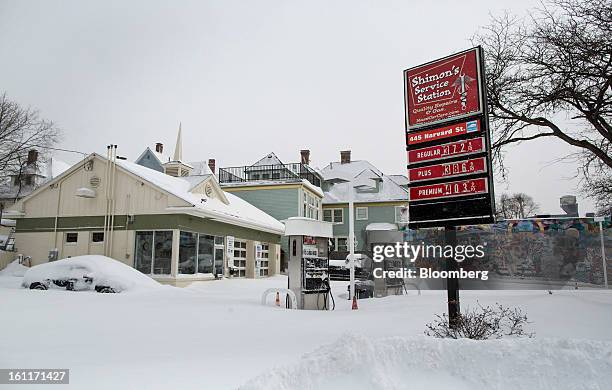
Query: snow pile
x=14, y=269
x=356, y=362
x=103, y=270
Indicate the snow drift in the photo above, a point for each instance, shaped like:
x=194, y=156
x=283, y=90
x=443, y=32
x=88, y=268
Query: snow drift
x=103, y=270
x=356, y=362
x=14, y=269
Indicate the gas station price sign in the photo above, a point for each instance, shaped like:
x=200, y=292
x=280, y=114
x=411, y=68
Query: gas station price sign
x=446, y=151
x=448, y=170
x=448, y=143
x=449, y=190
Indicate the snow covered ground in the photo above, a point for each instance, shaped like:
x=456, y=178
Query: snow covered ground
x=216, y=335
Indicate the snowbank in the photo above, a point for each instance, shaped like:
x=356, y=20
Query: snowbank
x=354, y=362
x=104, y=271
x=14, y=269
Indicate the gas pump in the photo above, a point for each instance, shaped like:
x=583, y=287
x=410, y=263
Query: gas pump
x=308, y=266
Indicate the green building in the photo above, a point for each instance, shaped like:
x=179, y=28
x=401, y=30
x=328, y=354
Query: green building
x=280, y=190
x=380, y=201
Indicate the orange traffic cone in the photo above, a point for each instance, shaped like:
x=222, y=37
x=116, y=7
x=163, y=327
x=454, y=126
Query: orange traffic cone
x=354, y=303
x=277, y=299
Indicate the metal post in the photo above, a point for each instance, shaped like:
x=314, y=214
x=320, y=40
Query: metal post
x=452, y=283
x=603, y=254
x=351, y=240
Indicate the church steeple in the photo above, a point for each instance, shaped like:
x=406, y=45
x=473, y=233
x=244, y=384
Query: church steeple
x=177, y=167
x=178, y=149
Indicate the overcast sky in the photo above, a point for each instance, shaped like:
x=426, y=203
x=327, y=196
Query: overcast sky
x=248, y=77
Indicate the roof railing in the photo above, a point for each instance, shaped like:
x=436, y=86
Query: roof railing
x=275, y=172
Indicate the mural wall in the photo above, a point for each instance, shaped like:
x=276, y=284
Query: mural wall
x=552, y=252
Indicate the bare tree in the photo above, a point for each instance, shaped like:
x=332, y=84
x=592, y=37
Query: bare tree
x=551, y=76
x=21, y=129
x=515, y=206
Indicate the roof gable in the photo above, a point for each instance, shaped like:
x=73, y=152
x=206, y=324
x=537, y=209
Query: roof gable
x=269, y=159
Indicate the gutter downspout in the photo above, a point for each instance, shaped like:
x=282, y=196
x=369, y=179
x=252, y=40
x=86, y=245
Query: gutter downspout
x=57, y=210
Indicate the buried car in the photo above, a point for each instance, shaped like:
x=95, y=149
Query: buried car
x=90, y=272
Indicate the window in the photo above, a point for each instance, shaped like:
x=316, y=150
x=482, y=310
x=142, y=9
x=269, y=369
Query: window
x=97, y=237
x=28, y=180
x=187, y=253
x=153, y=254
x=361, y=213
x=240, y=254
x=72, y=238
x=206, y=254
x=341, y=244
x=264, y=260
x=201, y=253
x=311, y=206
x=401, y=214
x=333, y=215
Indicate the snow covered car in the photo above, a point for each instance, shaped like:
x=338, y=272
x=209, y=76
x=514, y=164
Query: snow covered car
x=90, y=272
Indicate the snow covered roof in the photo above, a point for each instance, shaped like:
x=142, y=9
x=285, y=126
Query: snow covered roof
x=401, y=180
x=370, y=184
x=336, y=171
x=269, y=159
x=200, y=168
x=235, y=211
x=194, y=180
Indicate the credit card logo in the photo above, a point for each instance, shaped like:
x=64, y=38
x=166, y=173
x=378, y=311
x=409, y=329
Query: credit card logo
x=472, y=126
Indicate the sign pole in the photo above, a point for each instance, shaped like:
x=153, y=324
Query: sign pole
x=351, y=241
x=452, y=283
x=603, y=253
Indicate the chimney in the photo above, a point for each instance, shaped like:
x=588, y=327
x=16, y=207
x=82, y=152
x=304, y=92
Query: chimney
x=305, y=156
x=212, y=165
x=345, y=156
x=159, y=147
x=32, y=156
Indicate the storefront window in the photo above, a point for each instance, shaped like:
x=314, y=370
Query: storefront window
x=205, y=254
x=187, y=253
x=162, y=262
x=153, y=254
x=144, y=252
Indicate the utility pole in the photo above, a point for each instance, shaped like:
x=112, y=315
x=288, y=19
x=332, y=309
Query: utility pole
x=351, y=239
x=452, y=283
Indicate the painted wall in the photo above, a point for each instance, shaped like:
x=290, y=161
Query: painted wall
x=132, y=196
x=279, y=203
x=149, y=160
